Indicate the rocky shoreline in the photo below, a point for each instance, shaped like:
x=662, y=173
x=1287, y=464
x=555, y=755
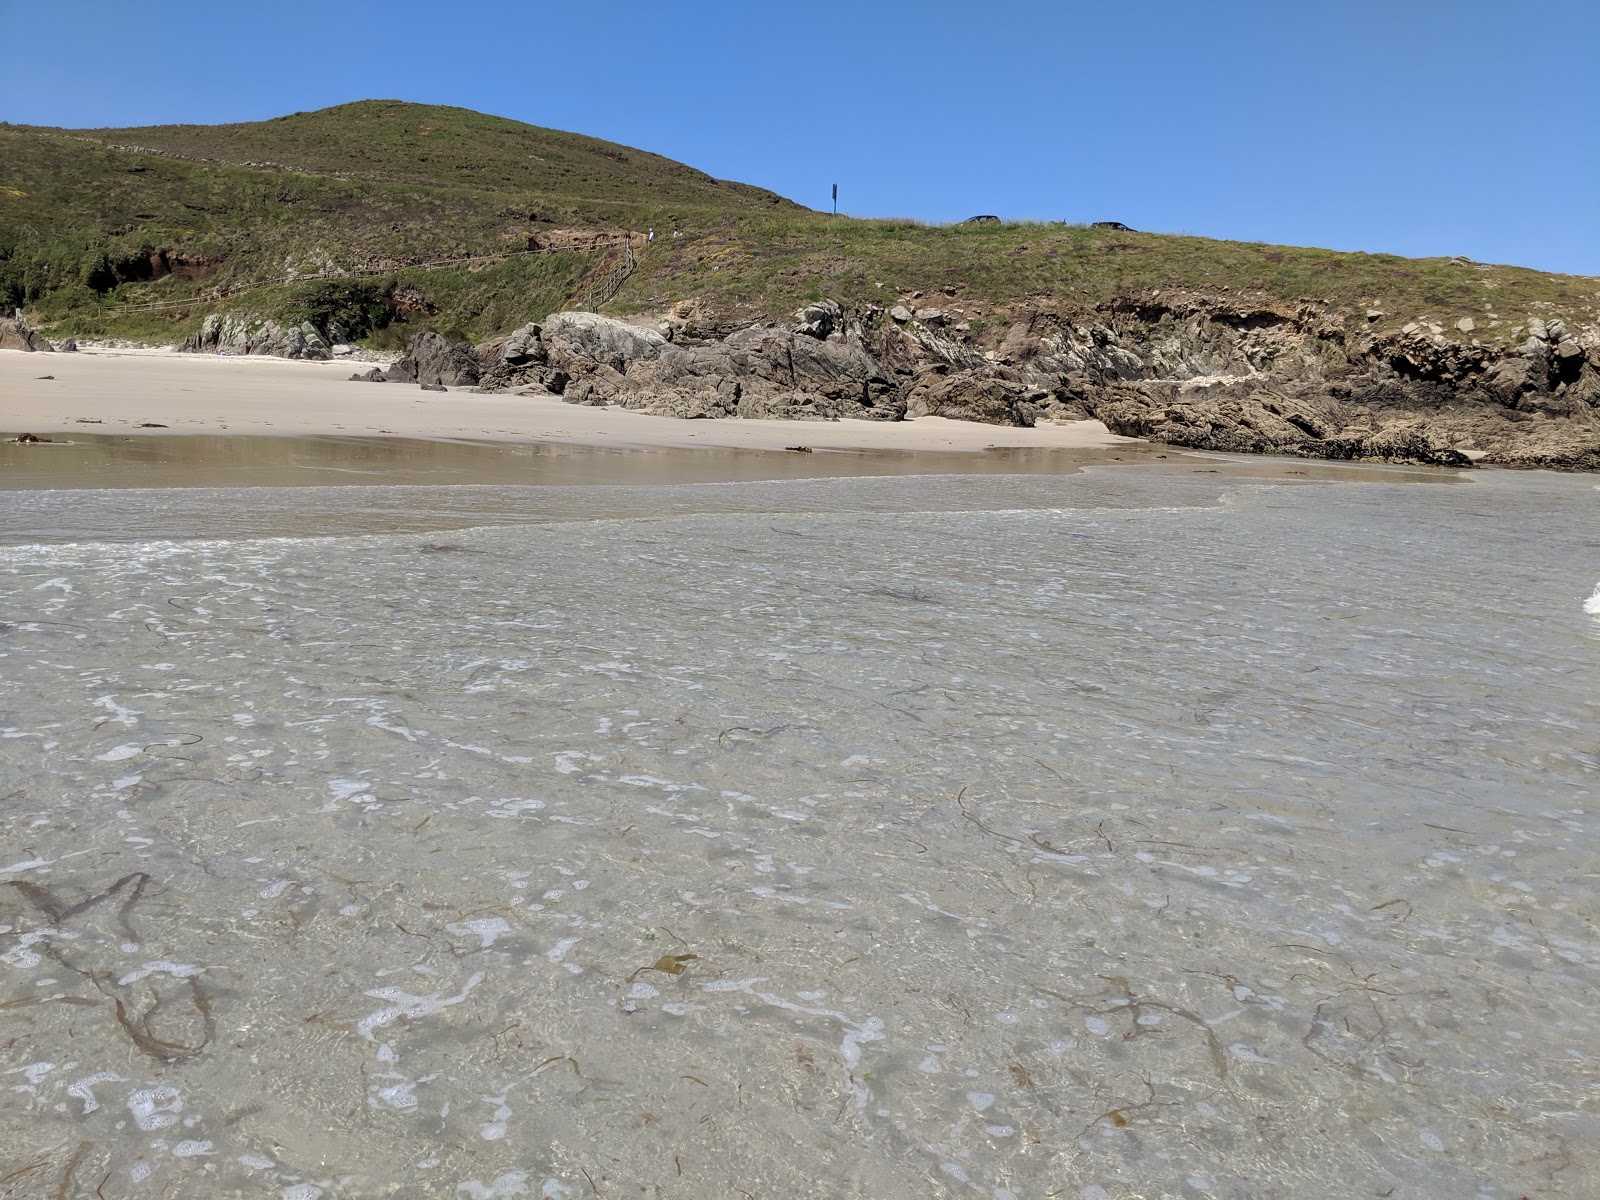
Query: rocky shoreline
x=1213, y=372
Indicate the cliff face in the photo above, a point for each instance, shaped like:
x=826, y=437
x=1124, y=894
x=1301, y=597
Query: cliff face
x=1186, y=369
x=1211, y=373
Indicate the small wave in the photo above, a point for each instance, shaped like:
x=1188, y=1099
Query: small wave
x=1592, y=604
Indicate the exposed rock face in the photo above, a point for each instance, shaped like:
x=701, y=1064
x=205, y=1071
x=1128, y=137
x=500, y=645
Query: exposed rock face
x=243, y=333
x=580, y=341
x=520, y=362
x=14, y=335
x=1223, y=377
x=754, y=372
x=432, y=360
x=1204, y=372
x=975, y=395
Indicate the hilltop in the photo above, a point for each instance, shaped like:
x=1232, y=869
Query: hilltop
x=380, y=219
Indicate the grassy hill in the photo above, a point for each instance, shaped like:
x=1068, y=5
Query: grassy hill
x=346, y=212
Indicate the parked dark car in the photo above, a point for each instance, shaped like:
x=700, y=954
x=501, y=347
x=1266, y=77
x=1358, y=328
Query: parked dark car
x=983, y=219
x=1112, y=225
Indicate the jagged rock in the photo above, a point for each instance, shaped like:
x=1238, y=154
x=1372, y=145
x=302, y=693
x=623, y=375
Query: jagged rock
x=517, y=361
x=1508, y=379
x=1205, y=370
x=14, y=335
x=763, y=372
x=375, y=375
x=1237, y=419
x=973, y=396
x=1412, y=442
x=1537, y=329
x=434, y=387
x=930, y=316
x=341, y=350
x=820, y=319
x=576, y=341
x=523, y=345
x=433, y=360
x=70, y=346
x=1466, y=325
x=245, y=333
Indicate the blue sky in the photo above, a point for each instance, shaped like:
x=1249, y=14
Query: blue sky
x=1416, y=127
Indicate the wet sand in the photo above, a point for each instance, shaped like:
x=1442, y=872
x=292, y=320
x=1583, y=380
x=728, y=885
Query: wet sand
x=122, y=392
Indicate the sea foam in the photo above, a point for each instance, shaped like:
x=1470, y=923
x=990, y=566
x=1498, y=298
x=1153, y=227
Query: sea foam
x=1592, y=604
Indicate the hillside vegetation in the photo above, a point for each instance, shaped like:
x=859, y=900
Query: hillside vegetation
x=347, y=214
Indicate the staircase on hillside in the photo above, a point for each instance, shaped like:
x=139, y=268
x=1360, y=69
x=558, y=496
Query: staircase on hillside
x=607, y=287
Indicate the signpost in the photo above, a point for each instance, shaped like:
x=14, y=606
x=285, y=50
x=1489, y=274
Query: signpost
x=836, y=199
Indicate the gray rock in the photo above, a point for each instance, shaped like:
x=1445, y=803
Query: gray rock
x=930, y=316
x=1569, y=349
x=70, y=346
x=1466, y=325
x=14, y=335
x=973, y=396
x=245, y=333
x=340, y=350
x=820, y=319
x=900, y=313
x=433, y=360
x=1537, y=329
x=375, y=375
x=434, y=387
x=523, y=345
x=761, y=372
x=576, y=341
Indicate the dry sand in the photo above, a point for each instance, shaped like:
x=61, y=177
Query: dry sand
x=123, y=391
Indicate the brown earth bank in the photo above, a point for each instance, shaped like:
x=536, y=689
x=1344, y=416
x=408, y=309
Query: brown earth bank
x=1206, y=371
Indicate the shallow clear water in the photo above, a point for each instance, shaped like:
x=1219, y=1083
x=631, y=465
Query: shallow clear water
x=1133, y=833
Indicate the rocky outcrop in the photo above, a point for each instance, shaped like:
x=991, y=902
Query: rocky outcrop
x=976, y=395
x=14, y=335
x=520, y=362
x=760, y=371
x=434, y=361
x=578, y=342
x=1221, y=376
x=243, y=333
x=1203, y=372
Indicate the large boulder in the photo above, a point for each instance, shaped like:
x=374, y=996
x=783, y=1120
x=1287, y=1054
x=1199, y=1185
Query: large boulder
x=1413, y=442
x=432, y=360
x=974, y=396
x=820, y=319
x=518, y=360
x=14, y=335
x=759, y=372
x=578, y=341
x=1241, y=420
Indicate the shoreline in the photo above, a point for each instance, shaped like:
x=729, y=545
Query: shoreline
x=172, y=394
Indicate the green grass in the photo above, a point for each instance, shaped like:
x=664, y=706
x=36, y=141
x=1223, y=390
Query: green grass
x=96, y=223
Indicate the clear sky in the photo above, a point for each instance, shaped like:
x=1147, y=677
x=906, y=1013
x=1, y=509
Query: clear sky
x=1416, y=127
